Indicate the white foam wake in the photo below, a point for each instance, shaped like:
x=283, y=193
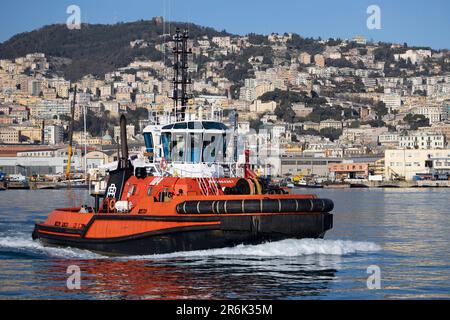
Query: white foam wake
x=285, y=248
x=24, y=243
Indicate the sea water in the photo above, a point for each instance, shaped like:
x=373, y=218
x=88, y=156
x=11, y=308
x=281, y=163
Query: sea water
x=402, y=233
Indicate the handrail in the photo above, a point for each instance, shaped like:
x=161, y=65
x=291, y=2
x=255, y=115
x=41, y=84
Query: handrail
x=182, y=171
x=214, y=186
x=203, y=186
x=208, y=186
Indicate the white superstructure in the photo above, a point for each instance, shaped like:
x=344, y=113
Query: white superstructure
x=199, y=146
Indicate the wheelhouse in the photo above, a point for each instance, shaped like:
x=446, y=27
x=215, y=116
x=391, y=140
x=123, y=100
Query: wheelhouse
x=190, y=142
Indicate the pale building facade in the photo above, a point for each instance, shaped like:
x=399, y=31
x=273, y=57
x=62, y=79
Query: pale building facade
x=408, y=163
x=422, y=140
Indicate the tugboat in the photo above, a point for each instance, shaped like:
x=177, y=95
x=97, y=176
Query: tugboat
x=185, y=194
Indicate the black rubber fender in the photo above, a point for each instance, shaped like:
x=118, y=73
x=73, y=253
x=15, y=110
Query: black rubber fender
x=255, y=206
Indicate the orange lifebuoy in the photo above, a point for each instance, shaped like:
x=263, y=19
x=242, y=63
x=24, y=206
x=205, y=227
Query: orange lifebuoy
x=112, y=205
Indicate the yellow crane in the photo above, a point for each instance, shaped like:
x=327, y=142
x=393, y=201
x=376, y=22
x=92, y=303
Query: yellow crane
x=71, y=126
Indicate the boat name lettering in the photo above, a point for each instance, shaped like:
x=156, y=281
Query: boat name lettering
x=225, y=181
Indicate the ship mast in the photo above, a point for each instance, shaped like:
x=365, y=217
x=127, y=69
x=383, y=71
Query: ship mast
x=181, y=79
x=71, y=127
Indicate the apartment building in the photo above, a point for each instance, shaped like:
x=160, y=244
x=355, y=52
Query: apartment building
x=29, y=133
x=301, y=110
x=131, y=132
x=48, y=109
x=392, y=101
x=304, y=58
x=260, y=107
x=389, y=140
x=53, y=134
x=363, y=135
x=319, y=60
x=9, y=135
x=333, y=124
x=440, y=128
x=435, y=114
x=415, y=56
x=422, y=140
x=222, y=42
x=360, y=40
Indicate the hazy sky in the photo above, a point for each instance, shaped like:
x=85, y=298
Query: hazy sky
x=425, y=23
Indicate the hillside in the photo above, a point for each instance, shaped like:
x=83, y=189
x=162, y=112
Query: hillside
x=95, y=49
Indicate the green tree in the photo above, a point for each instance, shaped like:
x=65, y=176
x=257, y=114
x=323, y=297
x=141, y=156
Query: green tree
x=375, y=123
x=284, y=112
x=95, y=125
x=95, y=49
x=237, y=73
x=416, y=121
x=256, y=124
x=258, y=39
x=308, y=45
x=331, y=133
x=355, y=125
x=380, y=109
x=235, y=91
x=134, y=116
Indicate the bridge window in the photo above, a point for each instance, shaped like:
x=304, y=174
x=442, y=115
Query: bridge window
x=168, y=127
x=213, y=148
x=179, y=147
x=182, y=125
x=195, y=126
x=167, y=145
x=214, y=126
x=194, y=148
x=224, y=155
x=148, y=137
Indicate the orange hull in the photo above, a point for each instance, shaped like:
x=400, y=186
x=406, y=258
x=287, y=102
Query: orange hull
x=175, y=214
